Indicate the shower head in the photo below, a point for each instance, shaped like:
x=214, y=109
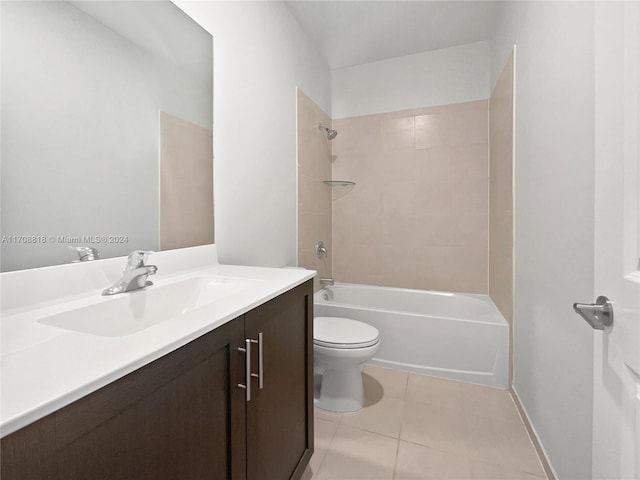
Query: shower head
x=331, y=134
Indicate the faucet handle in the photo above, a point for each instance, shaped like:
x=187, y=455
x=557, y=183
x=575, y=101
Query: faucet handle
x=85, y=254
x=137, y=258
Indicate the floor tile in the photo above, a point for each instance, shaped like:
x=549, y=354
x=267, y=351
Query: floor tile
x=416, y=462
x=503, y=443
x=330, y=416
x=486, y=471
x=435, y=426
x=434, y=390
x=394, y=382
x=489, y=402
x=373, y=390
x=422, y=427
x=383, y=417
x=308, y=474
x=357, y=454
x=323, y=436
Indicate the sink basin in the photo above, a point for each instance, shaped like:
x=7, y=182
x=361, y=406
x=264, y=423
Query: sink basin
x=130, y=312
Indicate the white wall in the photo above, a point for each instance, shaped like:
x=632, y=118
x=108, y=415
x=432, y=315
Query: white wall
x=260, y=55
x=554, y=220
x=438, y=77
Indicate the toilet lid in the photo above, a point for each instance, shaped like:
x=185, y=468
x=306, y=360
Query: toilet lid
x=336, y=332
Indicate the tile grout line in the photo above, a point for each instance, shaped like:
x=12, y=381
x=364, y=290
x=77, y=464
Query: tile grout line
x=333, y=436
x=404, y=401
x=395, y=462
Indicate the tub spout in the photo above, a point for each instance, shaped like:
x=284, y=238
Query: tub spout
x=327, y=294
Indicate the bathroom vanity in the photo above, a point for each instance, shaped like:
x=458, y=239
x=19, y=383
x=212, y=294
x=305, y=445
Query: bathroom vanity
x=221, y=391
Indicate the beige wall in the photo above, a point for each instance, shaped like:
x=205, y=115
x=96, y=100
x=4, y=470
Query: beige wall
x=501, y=192
x=314, y=196
x=418, y=215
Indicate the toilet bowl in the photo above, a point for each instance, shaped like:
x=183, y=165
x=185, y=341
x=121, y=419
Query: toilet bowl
x=340, y=347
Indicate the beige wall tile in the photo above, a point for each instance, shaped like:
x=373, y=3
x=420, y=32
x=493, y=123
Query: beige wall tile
x=441, y=229
x=434, y=194
x=306, y=194
x=469, y=123
x=470, y=161
x=433, y=163
x=309, y=225
x=500, y=193
x=432, y=131
x=359, y=135
x=421, y=196
x=398, y=133
x=186, y=183
x=314, y=197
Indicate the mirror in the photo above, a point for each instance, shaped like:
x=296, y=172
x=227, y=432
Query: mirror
x=107, y=118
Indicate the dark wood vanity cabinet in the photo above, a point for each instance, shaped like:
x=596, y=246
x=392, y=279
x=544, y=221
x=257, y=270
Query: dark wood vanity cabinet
x=184, y=417
x=280, y=414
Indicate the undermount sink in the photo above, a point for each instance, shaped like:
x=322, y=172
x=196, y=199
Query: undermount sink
x=131, y=312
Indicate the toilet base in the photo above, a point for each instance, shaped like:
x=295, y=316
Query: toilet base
x=340, y=390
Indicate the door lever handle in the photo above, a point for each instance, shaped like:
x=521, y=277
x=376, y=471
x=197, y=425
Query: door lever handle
x=598, y=315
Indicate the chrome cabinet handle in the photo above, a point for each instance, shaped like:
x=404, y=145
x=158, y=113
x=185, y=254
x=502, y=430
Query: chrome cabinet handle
x=598, y=315
x=260, y=374
x=247, y=369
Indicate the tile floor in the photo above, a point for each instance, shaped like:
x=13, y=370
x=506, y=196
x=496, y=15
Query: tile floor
x=420, y=427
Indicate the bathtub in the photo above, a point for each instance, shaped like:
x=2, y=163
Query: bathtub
x=451, y=335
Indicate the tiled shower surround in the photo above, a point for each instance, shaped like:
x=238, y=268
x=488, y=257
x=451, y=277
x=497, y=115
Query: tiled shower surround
x=186, y=183
x=418, y=214
x=501, y=192
x=314, y=196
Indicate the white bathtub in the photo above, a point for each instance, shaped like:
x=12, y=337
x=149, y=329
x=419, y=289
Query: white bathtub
x=458, y=336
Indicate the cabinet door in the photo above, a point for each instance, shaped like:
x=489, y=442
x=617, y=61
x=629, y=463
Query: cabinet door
x=280, y=415
x=177, y=418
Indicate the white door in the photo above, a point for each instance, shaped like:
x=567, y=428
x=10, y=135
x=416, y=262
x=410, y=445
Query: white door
x=616, y=394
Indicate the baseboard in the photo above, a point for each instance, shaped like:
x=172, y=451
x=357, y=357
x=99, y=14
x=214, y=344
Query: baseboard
x=542, y=455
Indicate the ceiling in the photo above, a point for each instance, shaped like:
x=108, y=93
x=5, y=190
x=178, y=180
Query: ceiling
x=350, y=33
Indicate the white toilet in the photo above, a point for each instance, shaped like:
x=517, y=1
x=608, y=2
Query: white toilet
x=340, y=347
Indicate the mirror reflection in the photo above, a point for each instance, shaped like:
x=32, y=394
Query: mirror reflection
x=106, y=130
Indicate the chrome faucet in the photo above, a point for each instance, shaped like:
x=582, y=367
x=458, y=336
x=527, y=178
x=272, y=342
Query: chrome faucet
x=135, y=274
x=85, y=254
x=321, y=250
x=327, y=294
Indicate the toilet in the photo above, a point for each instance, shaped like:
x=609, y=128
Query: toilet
x=340, y=348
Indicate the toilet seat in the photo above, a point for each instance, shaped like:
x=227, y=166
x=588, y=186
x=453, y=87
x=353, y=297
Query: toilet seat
x=343, y=333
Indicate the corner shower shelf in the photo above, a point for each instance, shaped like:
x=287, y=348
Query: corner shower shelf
x=339, y=183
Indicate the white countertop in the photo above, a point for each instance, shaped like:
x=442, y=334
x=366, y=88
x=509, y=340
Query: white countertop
x=45, y=368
